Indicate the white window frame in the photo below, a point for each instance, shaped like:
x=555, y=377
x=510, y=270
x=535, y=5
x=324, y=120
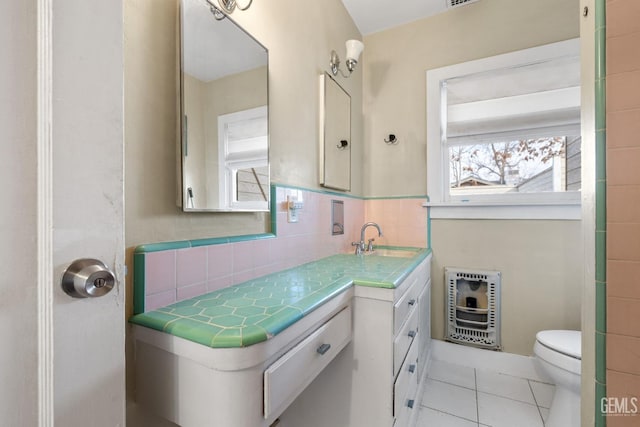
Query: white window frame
x=561, y=205
x=228, y=169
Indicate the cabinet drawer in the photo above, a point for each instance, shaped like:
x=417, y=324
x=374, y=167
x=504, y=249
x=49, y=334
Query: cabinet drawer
x=407, y=377
x=404, y=339
x=406, y=303
x=288, y=376
x=408, y=405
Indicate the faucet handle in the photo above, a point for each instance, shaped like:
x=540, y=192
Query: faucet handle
x=370, y=244
x=359, y=246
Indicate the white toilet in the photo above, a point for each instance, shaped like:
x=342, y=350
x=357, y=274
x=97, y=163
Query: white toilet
x=558, y=355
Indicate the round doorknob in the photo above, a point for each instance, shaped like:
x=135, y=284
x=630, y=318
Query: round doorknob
x=87, y=278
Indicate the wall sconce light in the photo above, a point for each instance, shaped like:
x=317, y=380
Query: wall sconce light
x=226, y=7
x=354, y=49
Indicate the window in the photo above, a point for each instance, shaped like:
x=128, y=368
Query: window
x=510, y=165
x=503, y=135
x=243, y=159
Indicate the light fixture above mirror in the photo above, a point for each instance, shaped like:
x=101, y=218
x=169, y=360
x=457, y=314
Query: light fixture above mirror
x=226, y=7
x=354, y=49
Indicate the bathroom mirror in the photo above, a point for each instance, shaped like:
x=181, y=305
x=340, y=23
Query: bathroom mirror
x=223, y=115
x=335, y=135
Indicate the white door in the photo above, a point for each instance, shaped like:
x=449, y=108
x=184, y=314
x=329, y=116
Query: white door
x=61, y=175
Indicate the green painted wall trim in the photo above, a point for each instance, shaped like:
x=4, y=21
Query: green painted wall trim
x=351, y=196
x=318, y=190
x=601, y=212
x=183, y=244
x=397, y=197
x=601, y=371
x=273, y=209
x=138, y=283
x=162, y=246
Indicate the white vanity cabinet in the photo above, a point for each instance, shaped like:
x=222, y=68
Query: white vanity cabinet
x=194, y=385
x=356, y=360
x=391, y=340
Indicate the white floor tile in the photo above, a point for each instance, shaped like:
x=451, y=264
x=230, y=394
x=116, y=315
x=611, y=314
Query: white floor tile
x=451, y=399
x=502, y=400
x=504, y=385
x=431, y=418
x=543, y=393
x=462, y=376
x=498, y=411
x=545, y=414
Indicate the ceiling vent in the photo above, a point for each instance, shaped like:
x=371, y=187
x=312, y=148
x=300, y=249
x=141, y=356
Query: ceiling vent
x=456, y=3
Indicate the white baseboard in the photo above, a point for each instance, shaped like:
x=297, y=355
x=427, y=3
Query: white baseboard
x=505, y=363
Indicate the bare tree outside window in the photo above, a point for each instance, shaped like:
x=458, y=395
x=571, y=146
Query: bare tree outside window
x=538, y=164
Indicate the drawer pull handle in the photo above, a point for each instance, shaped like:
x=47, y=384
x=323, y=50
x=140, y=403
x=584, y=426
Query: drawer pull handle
x=412, y=368
x=412, y=302
x=410, y=403
x=412, y=334
x=323, y=348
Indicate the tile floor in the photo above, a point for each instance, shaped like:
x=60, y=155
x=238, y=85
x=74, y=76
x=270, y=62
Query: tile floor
x=460, y=396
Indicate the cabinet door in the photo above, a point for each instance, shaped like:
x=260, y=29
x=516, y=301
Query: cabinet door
x=424, y=327
x=335, y=135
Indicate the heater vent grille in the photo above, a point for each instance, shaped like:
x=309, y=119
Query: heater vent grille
x=456, y=3
x=473, y=307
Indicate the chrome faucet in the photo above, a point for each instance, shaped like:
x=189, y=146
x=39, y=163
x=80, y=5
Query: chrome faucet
x=360, y=248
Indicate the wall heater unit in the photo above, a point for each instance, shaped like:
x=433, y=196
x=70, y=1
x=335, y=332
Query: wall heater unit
x=473, y=307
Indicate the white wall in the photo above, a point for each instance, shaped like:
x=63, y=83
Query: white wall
x=540, y=260
x=396, y=61
x=18, y=228
x=541, y=265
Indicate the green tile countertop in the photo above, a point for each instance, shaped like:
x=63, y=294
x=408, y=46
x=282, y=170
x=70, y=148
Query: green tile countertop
x=254, y=311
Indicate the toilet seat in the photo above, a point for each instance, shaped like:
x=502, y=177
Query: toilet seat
x=565, y=342
x=560, y=348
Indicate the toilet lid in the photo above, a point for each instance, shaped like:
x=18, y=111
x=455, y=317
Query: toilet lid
x=565, y=342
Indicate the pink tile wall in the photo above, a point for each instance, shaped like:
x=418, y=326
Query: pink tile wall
x=403, y=221
x=623, y=206
x=175, y=275
x=310, y=238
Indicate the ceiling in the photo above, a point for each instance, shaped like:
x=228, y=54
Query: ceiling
x=372, y=16
x=201, y=38
x=214, y=49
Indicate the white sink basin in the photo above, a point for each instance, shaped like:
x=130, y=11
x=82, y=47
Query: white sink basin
x=398, y=253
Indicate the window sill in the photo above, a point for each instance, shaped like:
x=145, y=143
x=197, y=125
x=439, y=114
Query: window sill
x=492, y=210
